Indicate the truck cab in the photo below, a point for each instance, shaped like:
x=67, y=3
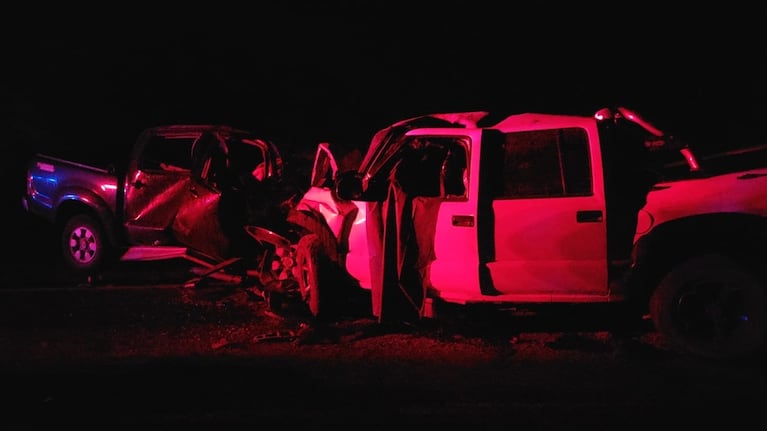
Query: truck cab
x=510, y=212
x=532, y=209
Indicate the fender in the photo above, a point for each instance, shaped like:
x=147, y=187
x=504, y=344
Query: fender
x=311, y=221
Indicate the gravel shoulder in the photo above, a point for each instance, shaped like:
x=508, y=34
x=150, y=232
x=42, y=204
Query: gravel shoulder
x=163, y=355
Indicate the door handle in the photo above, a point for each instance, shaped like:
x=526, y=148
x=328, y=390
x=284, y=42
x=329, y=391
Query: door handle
x=463, y=220
x=588, y=216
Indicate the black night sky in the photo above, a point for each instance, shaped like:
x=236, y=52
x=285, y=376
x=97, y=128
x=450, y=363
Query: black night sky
x=79, y=83
x=82, y=83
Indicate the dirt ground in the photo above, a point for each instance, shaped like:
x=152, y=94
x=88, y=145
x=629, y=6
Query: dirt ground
x=137, y=349
x=155, y=355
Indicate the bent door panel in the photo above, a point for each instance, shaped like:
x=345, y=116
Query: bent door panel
x=197, y=224
x=157, y=181
x=152, y=199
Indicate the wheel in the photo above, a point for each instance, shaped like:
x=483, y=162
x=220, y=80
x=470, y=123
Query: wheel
x=308, y=271
x=308, y=223
x=710, y=306
x=83, y=244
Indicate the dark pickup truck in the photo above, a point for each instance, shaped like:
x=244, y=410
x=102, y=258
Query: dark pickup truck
x=186, y=191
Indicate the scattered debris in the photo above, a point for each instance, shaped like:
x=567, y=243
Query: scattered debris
x=275, y=336
x=579, y=341
x=274, y=315
x=219, y=344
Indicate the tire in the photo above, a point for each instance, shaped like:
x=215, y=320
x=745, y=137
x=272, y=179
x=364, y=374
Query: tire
x=711, y=307
x=308, y=265
x=83, y=244
x=309, y=223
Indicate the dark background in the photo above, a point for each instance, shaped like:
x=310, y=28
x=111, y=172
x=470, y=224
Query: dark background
x=83, y=83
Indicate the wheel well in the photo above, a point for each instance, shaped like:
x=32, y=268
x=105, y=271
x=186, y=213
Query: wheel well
x=739, y=236
x=71, y=208
x=312, y=222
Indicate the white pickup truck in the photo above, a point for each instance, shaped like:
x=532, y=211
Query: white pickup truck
x=524, y=210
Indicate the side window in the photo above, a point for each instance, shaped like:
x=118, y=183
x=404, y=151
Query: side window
x=546, y=163
x=454, y=171
x=164, y=153
x=216, y=171
x=323, y=171
x=246, y=160
x=433, y=166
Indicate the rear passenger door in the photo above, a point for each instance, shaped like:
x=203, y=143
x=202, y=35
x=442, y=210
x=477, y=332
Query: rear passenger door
x=549, y=236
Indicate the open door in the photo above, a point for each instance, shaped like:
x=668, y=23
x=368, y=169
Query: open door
x=198, y=222
x=448, y=224
x=228, y=191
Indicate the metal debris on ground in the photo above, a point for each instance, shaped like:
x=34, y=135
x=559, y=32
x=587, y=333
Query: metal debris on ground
x=288, y=335
x=273, y=315
x=219, y=344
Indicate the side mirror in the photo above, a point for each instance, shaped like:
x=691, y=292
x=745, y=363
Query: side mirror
x=349, y=186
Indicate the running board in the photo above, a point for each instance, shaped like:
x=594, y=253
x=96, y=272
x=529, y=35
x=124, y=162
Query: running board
x=208, y=266
x=150, y=253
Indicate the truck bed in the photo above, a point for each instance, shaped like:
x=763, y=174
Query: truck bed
x=47, y=173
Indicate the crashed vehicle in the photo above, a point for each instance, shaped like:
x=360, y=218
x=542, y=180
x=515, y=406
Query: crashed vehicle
x=532, y=209
x=211, y=194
